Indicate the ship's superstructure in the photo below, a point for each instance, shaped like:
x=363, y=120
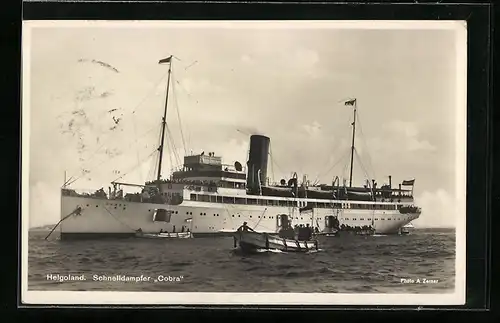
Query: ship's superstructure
x=206, y=196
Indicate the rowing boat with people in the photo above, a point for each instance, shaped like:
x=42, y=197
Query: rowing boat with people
x=253, y=241
x=249, y=240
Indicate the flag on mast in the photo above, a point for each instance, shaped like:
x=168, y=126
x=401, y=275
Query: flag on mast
x=408, y=182
x=165, y=60
x=350, y=102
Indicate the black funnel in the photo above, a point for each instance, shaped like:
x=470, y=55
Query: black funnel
x=257, y=160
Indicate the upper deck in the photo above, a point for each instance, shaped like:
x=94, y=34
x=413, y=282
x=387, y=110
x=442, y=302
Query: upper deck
x=209, y=168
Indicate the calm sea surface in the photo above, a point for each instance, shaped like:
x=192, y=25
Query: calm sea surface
x=348, y=264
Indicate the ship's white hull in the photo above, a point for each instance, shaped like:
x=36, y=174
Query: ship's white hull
x=103, y=218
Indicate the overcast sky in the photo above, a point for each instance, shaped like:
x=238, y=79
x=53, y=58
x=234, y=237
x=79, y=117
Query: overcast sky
x=288, y=84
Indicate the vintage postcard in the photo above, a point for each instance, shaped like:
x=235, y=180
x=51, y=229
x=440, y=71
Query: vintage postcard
x=229, y=162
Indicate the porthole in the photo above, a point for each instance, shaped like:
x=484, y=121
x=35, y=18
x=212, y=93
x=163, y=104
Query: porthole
x=88, y=205
x=96, y=205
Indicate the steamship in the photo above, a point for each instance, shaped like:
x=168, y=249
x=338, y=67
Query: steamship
x=207, y=197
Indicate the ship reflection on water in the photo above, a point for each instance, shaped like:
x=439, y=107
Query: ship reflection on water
x=345, y=264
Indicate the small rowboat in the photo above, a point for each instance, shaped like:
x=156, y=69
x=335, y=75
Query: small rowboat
x=406, y=229
x=164, y=235
x=326, y=234
x=252, y=241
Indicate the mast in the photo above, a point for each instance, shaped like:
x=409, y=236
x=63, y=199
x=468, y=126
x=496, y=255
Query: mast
x=164, y=119
x=353, y=103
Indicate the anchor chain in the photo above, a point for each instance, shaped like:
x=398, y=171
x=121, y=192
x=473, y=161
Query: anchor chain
x=77, y=211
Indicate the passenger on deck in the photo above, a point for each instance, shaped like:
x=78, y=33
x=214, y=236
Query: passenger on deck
x=244, y=227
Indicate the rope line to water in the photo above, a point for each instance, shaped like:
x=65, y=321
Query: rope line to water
x=119, y=219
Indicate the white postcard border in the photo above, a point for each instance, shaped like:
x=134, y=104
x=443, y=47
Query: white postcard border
x=166, y=298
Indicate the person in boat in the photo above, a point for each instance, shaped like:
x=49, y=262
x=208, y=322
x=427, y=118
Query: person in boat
x=308, y=232
x=161, y=230
x=302, y=233
x=173, y=230
x=287, y=232
x=182, y=229
x=138, y=230
x=245, y=228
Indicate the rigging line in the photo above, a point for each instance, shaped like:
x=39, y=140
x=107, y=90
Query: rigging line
x=174, y=147
x=272, y=162
x=172, y=151
x=185, y=91
x=84, y=174
x=154, y=163
x=118, y=219
x=138, y=165
x=335, y=164
x=169, y=143
x=103, y=144
x=344, y=171
x=179, y=117
x=362, y=166
x=136, y=139
x=190, y=97
x=366, y=144
x=337, y=146
x=260, y=219
x=149, y=93
x=95, y=153
x=175, y=153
